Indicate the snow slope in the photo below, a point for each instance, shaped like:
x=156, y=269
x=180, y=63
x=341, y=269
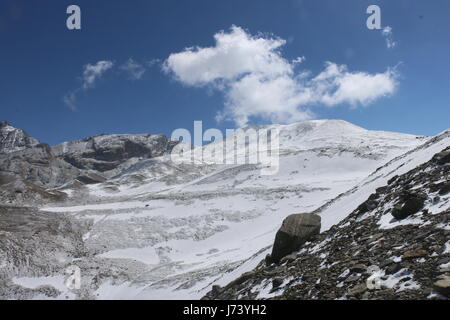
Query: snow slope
x=175, y=229
x=335, y=211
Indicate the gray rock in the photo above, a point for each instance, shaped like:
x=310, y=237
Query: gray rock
x=413, y=204
x=358, y=268
x=443, y=286
x=357, y=290
x=416, y=253
x=442, y=157
x=294, y=232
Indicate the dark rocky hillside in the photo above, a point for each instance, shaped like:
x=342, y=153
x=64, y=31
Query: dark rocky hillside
x=394, y=246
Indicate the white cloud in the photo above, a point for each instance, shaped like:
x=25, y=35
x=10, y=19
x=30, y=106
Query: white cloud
x=92, y=73
x=258, y=82
x=298, y=60
x=336, y=85
x=234, y=54
x=134, y=69
x=150, y=63
x=388, y=35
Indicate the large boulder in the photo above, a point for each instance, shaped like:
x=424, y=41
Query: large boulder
x=410, y=203
x=294, y=232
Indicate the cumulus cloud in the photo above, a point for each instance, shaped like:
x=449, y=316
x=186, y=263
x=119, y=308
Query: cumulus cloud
x=92, y=73
x=388, y=35
x=133, y=69
x=258, y=82
x=235, y=53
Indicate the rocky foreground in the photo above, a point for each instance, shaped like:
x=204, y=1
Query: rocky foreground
x=395, y=245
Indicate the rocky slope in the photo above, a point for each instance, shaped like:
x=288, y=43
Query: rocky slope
x=34, y=243
x=394, y=245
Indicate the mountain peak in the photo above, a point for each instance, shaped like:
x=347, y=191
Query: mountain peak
x=13, y=139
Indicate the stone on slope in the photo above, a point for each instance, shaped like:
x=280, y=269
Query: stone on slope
x=442, y=157
x=294, y=232
x=443, y=286
x=410, y=204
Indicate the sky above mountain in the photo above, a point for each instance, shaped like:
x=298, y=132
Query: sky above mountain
x=153, y=66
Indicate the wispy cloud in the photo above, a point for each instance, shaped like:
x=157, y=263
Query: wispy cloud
x=69, y=100
x=133, y=69
x=258, y=81
x=92, y=73
x=389, y=36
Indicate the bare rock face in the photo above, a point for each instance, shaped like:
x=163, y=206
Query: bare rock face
x=13, y=139
x=107, y=152
x=294, y=232
x=28, y=168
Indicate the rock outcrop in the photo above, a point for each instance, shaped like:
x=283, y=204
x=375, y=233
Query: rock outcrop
x=107, y=152
x=13, y=139
x=296, y=230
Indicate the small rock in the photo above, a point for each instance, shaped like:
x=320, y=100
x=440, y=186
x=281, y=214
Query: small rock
x=277, y=282
x=216, y=290
x=443, y=286
x=393, y=268
x=417, y=253
x=358, y=268
x=390, y=181
x=382, y=189
x=357, y=290
x=352, y=278
x=412, y=205
x=288, y=258
x=244, y=277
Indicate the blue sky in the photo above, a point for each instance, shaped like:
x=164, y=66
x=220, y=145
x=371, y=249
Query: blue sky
x=41, y=62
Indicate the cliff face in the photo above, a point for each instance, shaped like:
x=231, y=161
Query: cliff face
x=374, y=253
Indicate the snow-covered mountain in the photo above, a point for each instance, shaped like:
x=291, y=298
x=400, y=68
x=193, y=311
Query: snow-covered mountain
x=146, y=227
x=13, y=139
x=159, y=229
